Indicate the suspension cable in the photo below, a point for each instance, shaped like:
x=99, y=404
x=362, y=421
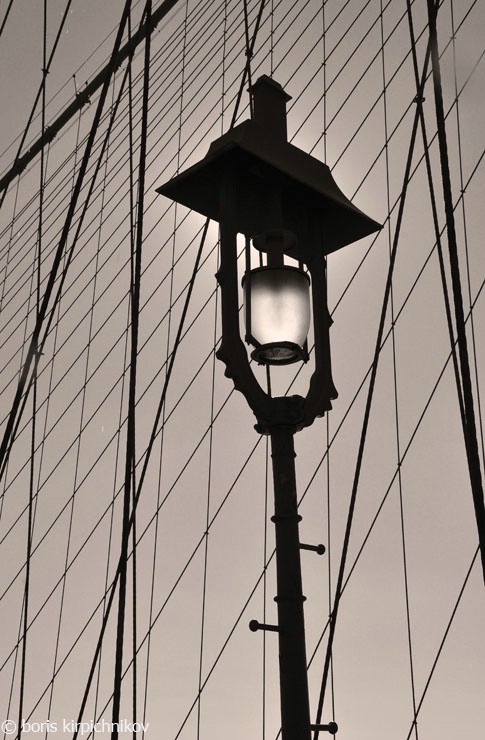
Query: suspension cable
x=28, y=561
x=345, y=547
x=469, y=428
x=41, y=91
x=130, y=458
x=84, y=96
x=32, y=354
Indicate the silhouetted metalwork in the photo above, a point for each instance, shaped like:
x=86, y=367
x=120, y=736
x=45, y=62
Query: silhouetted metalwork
x=253, y=182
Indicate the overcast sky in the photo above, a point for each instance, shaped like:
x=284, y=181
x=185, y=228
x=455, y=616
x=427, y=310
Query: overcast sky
x=196, y=592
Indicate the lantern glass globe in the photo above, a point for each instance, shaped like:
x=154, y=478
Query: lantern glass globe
x=279, y=313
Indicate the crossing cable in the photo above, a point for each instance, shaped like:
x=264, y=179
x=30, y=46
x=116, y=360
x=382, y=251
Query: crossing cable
x=7, y=13
x=269, y=560
x=212, y=16
x=152, y=624
x=398, y=68
x=329, y=538
x=415, y=168
x=442, y=643
x=24, y=611
x=32, y=354
x=212, y=392
x=41, y=455
x=72, y=79
x=165, y=50
x=100, y=81
x=168, y=316
x=469, y=426
x=458, y=201
x=434, y=211
x=273, y=553
x=130, y=457
x=30, y=517
x=342, y=68
x=7, y=363
x=62, y=600
x=368, y=405
x=247, y=68
x=59, y=170
x=153, y=436
x=388, y=489
x=121, y=423
x=10, y=230
x=175, y=585
x=126, y=531
x=464, y=221
x=67, y=263
x=394, y=364
x=107, y=396
x=41, y=91
x=237, y=477
x=132, y=241
x=248, y=52
x=113, y=175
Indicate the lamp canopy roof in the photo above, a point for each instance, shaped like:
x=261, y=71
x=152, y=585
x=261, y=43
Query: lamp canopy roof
x=275, y=183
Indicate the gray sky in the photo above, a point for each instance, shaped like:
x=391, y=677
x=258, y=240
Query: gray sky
x=215, y=472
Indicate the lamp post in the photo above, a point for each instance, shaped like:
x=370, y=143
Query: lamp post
x=255, y=183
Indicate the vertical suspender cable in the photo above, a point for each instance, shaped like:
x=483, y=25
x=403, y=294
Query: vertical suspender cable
x=380, y=333
x=101, y=156
x=133, y=467
x=464, y=220
x=34, y=402
x=327, y=416
x=32, y=354
x=434, y=211
x=32, y=112
x=7, y=13
x=121, y=54
x=247, y=68
x=394, y=362
x=130, y=460
x=469, y=429
x=249, y=52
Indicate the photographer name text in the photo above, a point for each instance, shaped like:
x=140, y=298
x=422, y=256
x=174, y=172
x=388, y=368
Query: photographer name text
x=10, y=727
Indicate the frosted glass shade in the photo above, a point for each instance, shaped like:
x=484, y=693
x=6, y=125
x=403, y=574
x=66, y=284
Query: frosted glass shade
x=278, y=314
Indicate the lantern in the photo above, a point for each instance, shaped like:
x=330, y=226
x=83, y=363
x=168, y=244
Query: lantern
x=277, y=306
x=255, y=183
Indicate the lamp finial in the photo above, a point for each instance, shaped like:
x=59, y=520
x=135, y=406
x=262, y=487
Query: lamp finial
x=269, y=104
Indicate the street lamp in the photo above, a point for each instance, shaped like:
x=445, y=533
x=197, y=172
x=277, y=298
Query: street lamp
x=292, y=214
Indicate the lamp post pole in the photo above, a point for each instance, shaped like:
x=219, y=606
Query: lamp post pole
x=295, y=709
x=254, y=182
